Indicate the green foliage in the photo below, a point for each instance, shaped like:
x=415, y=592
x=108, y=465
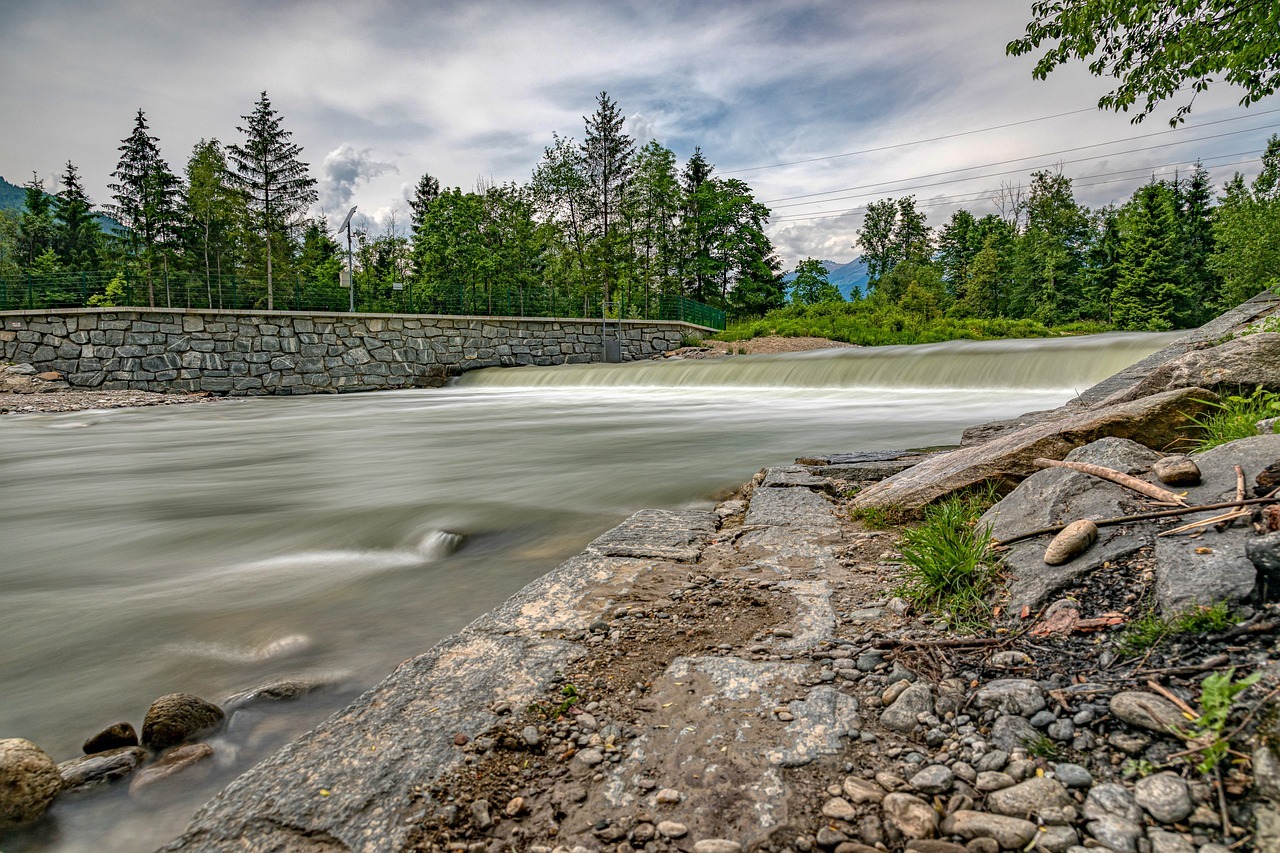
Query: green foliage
x=880, y=517
x=1151, y=629
x=1043, y=746
x=1155, y=49
x=116, y=294
x=1233, y=417
x=1218, y=694
x=947, y=560
x=571, y=698
x=811, y=286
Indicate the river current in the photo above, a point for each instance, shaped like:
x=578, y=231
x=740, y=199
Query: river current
x=212, y=548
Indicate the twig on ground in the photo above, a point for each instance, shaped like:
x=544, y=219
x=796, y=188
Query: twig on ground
x=1174, y=698
x=1220, y=522
x=1141, y=516
x=1120, y=478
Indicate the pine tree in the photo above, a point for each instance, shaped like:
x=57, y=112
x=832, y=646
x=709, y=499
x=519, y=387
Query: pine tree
x=696, y=264
x=77, y=234
x=35, y=224
x=1195, y=215
x=1144, y=295
x=427, y=191
x=607, y=163
x=276, y=183
x=146, y=196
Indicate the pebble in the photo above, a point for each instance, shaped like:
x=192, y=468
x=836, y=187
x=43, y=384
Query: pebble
x=1163, y=841
x=1011, y=833
x=1147, y=711
x=934, y=779
x=901, y=715
x=716, y=845
x=1165, y=797
x=589, y=757
x=671, y=829
x=839, y=809
x=912, y=816
x=993, y=780
x=531, y=736
x=1073, y=775
x=1039, y=796
x=515, y=807
x=1056, y=839
x=1112, y=800
x=1114, y=833
x=1074, y=539
x=668, y=797
x=1176, y=470
x=112, y=737
x=860, y=791
x=1020, y=696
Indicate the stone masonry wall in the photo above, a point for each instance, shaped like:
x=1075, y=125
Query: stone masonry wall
x=276, y=352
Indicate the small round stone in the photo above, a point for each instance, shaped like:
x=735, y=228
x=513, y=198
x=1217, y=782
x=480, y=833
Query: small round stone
x=1177, y=470
x=671, y=829
x=1076, y=538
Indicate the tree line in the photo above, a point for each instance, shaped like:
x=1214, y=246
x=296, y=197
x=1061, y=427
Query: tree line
x=1173, y=255
x=600, y=221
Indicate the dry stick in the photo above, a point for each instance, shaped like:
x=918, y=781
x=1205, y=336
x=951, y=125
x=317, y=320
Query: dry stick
x=1142, y=516
x=1219, y=521
x=1225, y=522
x=1142, y=487
x=1174, y=698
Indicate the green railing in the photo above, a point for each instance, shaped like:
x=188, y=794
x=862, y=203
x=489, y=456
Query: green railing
x=230, y=292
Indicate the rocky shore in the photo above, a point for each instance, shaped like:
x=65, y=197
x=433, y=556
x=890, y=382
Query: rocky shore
x=25, y=390
x=748, y=678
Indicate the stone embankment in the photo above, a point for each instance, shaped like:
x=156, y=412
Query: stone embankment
x=283, y=353
x=746, y=678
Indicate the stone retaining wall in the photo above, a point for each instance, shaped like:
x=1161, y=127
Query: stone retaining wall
x=277, y=352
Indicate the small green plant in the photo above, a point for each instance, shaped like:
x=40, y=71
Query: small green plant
x=571, y=698
x=115, y=294
x=1233, y=418
x=1136, y=768
x=690, y=341
x=1218, y=694
x=948, y=562
x=1042, y=746
x=1151, y=629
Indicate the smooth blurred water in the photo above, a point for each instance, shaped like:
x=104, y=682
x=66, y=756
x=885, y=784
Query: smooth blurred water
x=210, y=548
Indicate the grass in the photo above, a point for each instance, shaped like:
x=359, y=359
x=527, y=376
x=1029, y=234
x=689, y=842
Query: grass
x=947, y=560
x=868, y=323
x=1042, y=746
x=1233, y=418
x=880, y=517
x=1152, y=629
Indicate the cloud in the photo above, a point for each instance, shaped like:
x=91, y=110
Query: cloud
x=342, y=170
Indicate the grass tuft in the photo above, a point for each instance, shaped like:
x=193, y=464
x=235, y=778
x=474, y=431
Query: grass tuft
x=1233, y=418
x=947, y=560
x=1151, y=629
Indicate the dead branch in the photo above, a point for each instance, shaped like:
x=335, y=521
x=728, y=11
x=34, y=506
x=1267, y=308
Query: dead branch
x=1142, y=487
x=1142, y=516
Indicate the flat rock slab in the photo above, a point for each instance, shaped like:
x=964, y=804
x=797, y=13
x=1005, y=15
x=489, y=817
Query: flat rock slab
x=1058, y=496
x=861, y=457
x=789, y=476
x=659, y=534
x=1158, y=420
x=800, y=508
x=1213, y=567
x=868, y=470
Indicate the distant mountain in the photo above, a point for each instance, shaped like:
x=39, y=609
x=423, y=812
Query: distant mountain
x=847, y=278
x=13, y=197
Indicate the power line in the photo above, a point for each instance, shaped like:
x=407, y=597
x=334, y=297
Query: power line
x=913, y=142
x=1006, y=171
x=1083, y=181
x=1049, y=154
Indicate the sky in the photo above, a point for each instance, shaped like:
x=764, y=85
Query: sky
x=820, y=105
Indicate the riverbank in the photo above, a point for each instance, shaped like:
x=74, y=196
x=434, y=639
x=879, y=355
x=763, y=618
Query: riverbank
x=745, y=679
x=23, y=390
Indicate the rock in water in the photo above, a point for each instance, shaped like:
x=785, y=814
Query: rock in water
x=1177, y=470
x=29, y=780
x=170, y=764
x=1076, y=538
x=173, y=718
x=85, y=774
x=112, y=737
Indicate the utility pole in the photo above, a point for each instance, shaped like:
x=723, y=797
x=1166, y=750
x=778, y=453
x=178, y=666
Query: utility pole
x=351, y=278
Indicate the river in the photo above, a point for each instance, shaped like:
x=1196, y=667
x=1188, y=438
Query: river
x=211, y=548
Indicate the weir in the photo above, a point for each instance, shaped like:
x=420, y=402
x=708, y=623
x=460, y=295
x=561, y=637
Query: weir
x=279, y=352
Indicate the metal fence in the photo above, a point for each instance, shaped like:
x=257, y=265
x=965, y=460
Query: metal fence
x=230, y=292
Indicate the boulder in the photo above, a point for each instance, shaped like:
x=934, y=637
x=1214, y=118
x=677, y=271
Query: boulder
x=1156, y=421
x=29, y=780
x=112, y=737
x=1243, y=362
x=176, y=717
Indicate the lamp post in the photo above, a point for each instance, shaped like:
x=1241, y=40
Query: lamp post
x=351, y=278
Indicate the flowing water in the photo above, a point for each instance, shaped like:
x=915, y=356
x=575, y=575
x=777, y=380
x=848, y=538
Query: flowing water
x=211, y=548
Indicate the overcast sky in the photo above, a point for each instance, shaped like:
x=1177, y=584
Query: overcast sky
x=380, y=91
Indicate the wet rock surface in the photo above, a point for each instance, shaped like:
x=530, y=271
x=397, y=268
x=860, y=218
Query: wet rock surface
x=29, y=780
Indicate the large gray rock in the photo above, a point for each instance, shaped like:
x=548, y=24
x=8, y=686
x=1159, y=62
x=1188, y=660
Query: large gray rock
x=1165, y=796
x=1146, y=711
x=1156, y=421
x=1020, y=696
x=1012, y=732
x=901, y=715
x=177, y=717
x=1058, y=495
x=1244, y=362
x=1011, y=833
x=29, y=780
x=1214, y=567
x=1039, y=796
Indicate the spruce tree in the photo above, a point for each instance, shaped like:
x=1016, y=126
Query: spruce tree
x=607, y=164
x=1144, y=295
x=77, y=234
x=276, y=184
x=146, y=197
x=35, y=224
x=427, y=191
